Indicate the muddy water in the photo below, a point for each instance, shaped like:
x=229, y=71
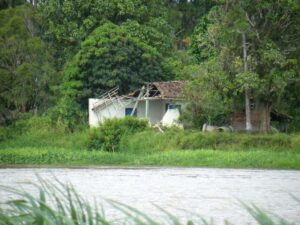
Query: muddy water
x=182, y=191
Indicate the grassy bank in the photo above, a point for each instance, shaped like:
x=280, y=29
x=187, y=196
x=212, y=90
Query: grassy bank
x=36, y=143
x=187, y=158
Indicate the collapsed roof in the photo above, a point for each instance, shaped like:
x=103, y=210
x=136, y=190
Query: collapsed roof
x=166, y=90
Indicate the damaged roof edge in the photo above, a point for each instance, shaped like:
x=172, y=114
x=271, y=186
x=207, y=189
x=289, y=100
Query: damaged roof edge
x=163, y=90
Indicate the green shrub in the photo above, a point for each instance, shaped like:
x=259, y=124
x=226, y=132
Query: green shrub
x=27, y=129
x=296, y=143
x=4, y=134
x=232, y=141
x=267, y=141
x=107, y=137
x=39, y=131
x=200, y=140
x=29, y=123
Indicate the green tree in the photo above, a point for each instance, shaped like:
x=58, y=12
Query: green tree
x=68, y=22
x=110, y=57
x=156, y=32
x=271, y=37
x=188, y=13
x=25, y=70
x=181, y=65
x=209, y=95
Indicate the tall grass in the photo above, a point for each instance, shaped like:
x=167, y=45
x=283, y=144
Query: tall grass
x=151, y=141
x=60, y=204
x=37, y=142
x=188, y=158
x=38, y=132
x=132, y=136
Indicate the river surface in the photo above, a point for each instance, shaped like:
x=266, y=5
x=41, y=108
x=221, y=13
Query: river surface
x=184, y=192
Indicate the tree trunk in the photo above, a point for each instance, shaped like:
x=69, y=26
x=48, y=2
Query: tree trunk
x=265, y=118
x=247, y=90
x=10, y=3
x=248, y=110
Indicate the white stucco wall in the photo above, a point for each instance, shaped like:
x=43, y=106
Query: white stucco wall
x=157, y=109
x=93, y=119
x=111, y=111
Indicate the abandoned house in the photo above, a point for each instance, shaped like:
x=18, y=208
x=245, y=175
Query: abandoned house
x=160, y=102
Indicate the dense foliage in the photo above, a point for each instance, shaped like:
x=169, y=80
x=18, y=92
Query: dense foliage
x=68, y=22
x=236, y=54
x=26, y=73
x=109, y=58
x=268, y=33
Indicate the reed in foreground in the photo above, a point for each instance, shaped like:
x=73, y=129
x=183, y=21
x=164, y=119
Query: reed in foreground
x=60, y=204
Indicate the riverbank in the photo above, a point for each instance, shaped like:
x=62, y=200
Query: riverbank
x=60, y=157
x=42, y=145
